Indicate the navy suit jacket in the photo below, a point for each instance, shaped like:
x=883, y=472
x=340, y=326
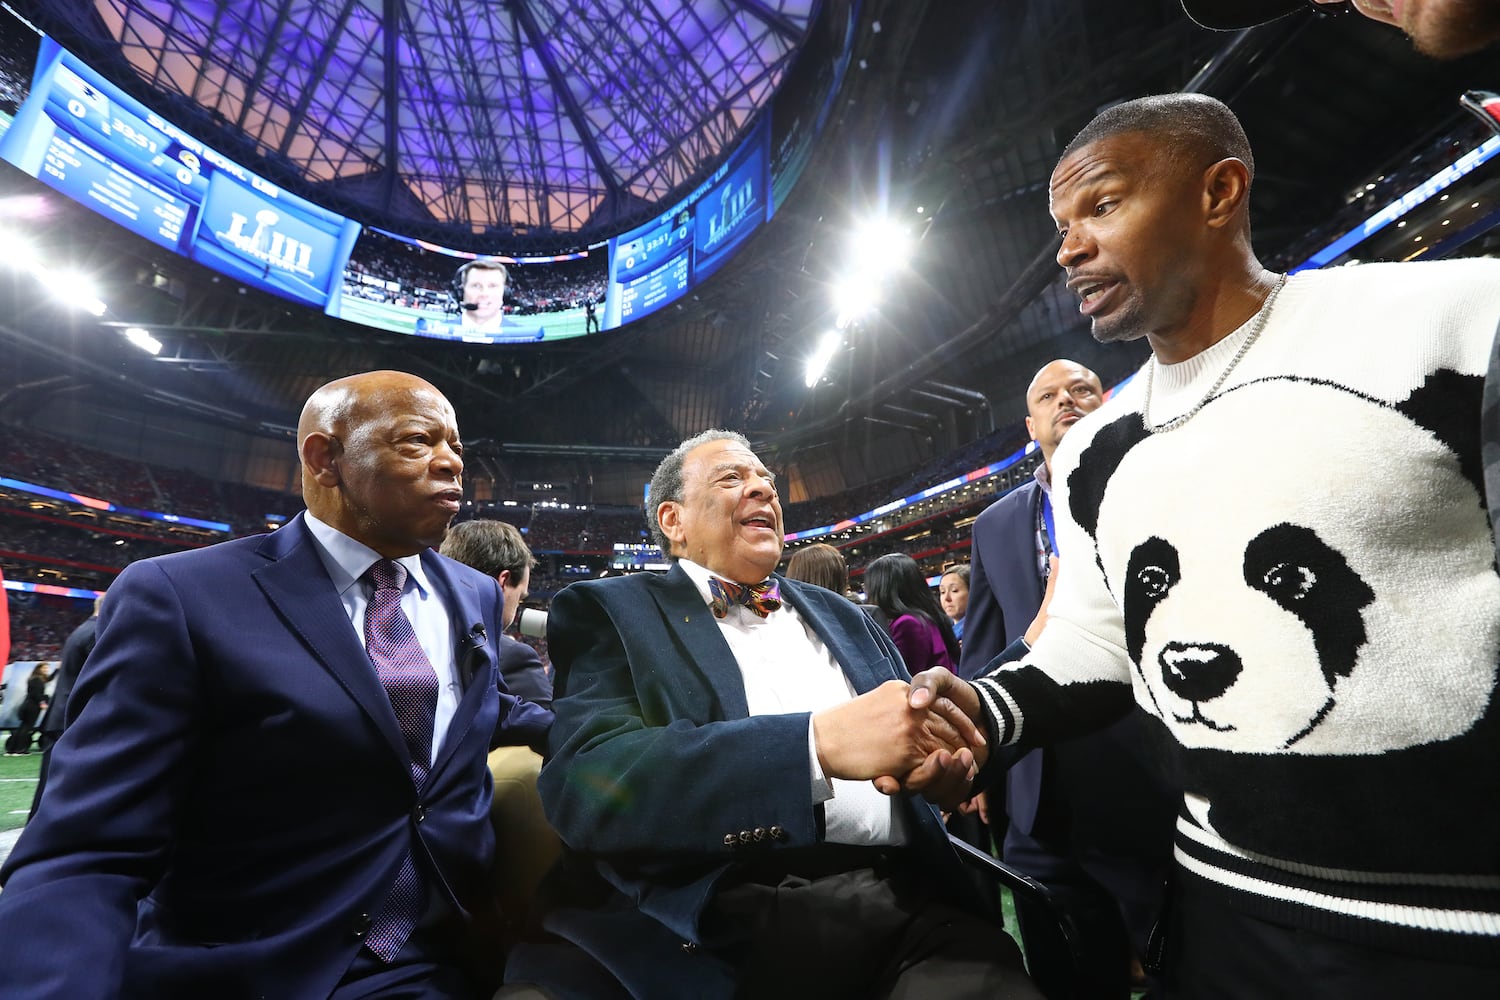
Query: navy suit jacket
x=1005, y=590
x=232, y=797
x=522, y=672
x=658, y=779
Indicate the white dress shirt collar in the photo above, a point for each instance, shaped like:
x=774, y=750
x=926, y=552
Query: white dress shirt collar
x=346, y=560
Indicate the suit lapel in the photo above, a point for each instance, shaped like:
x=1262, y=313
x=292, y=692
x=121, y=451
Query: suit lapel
x=688, y=618
x=297, y=584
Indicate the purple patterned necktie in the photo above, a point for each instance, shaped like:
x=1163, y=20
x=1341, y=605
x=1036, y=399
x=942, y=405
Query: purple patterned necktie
x=761, y=598
x=412, y=686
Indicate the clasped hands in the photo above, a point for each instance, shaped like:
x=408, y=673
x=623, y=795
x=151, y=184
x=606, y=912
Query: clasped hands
x=921, y=737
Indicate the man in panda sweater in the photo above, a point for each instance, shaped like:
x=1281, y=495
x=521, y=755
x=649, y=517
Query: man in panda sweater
x=1292, y=576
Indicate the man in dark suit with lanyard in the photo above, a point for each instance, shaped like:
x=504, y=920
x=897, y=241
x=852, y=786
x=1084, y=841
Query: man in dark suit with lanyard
x=717, y=730
x=1086, y=817
x=272, y=782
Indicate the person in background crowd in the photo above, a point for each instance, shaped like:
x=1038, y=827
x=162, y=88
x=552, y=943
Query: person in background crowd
x=4, y=624
x=79, y=644
x=894, y=583
x=19, y=743
x=497, y=549
x=953, y=592
x=273, y=782
x=821, y=565
x=525, y=846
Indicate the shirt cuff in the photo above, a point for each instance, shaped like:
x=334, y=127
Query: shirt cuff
x=822, y=787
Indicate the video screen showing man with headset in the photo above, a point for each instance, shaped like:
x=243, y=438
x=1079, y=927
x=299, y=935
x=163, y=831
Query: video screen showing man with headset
x=479, y=288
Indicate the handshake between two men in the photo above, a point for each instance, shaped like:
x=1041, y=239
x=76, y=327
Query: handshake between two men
x=925, y=737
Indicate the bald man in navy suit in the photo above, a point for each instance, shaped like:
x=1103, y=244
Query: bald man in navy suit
x=238, y=807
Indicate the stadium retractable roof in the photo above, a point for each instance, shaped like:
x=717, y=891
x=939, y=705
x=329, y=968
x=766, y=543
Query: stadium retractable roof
x=561, y=119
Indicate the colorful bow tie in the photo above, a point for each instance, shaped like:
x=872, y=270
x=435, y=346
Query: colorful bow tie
x=761, y=598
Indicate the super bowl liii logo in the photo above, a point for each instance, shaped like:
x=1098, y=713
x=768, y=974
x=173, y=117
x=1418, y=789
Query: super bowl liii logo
x=265, y=243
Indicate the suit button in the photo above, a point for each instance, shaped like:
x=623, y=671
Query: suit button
x=760, y=834
x=777, y=833
x=731, y=841
x=420, y=813
x=689, y=947
x=361, y=925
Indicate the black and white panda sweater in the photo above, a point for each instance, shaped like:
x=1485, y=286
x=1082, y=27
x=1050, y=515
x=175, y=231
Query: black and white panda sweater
x=1298, y=586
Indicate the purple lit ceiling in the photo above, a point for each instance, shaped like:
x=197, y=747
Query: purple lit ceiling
x=483, y=116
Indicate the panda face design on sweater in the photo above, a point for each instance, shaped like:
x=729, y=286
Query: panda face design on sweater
x=1202, y=681
x=1262, y=609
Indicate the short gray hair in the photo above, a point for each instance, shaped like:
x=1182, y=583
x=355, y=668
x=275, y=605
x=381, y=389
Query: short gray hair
x=666, y=481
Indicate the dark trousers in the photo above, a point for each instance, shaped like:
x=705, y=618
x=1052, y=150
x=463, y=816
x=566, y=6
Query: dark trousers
x=1216, y=953
x=21, y=737
x=871, y=932
x=868, y=933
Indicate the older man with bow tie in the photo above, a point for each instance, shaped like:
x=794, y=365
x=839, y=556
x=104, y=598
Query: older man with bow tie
x=710, y=770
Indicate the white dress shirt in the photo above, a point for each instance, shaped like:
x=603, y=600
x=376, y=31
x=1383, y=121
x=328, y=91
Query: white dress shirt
x=786, y=668
x=346, y=561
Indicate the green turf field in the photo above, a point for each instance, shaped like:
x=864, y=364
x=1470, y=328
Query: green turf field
x=17, y=785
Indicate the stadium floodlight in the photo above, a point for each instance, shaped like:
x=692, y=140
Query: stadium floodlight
x=70, y=287
x=880, y=246
x=853, y=297
x=20, y=251
x=143, y=339
x=817, y=362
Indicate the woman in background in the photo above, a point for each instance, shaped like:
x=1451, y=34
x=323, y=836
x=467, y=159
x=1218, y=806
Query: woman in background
x=821, y=565
x=953, y=591
x=824, y=565
x=895, y=584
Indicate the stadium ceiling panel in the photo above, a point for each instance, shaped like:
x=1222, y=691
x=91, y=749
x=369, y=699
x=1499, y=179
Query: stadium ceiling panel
x=489, y=117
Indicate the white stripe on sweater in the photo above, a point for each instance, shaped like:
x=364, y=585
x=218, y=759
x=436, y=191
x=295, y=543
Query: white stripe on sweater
x=1417, y=917
x=1212, y=841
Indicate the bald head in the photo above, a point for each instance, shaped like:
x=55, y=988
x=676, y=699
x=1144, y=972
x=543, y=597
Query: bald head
x=381, y=460
x=1058, y=397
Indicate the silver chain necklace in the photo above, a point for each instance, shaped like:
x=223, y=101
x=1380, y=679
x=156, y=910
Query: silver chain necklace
x=1258, y=321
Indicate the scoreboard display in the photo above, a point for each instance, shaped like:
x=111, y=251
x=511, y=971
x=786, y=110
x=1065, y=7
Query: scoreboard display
x=656, y=264
x=85, y=137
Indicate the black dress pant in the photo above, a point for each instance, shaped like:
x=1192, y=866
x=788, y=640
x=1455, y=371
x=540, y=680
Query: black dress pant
x=870, y=932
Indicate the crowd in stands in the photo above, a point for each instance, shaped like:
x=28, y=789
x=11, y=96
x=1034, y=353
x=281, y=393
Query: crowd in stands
x=39, y=624
x=17, y=63
x=33, y=457
x=61, y=465
x=822, y=511
x=593, y=530
x=1380, y=191
x=993, y=447
x=48, y=542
